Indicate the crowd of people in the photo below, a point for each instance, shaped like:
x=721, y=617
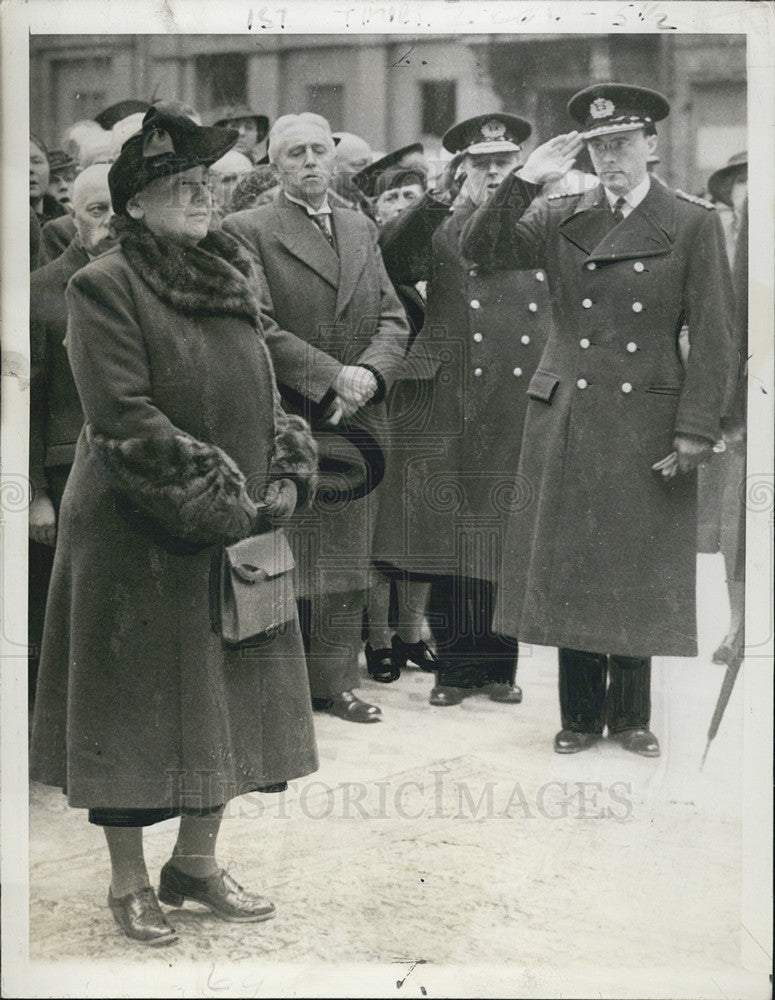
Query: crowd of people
x=472, y=395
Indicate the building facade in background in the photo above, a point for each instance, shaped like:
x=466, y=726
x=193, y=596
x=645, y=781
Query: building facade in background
x=394, y=89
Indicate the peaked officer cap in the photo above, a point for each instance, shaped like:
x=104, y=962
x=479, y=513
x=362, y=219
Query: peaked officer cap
x=616, y=107
x=496, y=133
x=168, y=143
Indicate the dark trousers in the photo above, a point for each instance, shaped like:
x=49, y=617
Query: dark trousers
x=587, y=704
x=460, y=613
x=331, y=627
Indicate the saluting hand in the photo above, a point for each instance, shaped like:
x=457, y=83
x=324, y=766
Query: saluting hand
x=553, y=159
x=451, y=182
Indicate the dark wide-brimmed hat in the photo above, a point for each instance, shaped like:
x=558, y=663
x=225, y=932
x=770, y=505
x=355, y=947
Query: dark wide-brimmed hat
x=495, y=133
x=366, y=180
x=121, y=109
x=617, y=107
x=233, y=113
x=168, y=143
x=720, y=183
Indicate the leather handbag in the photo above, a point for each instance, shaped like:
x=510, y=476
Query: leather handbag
x=256, y=587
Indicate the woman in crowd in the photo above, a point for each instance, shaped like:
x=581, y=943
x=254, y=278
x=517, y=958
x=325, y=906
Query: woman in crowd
x=44, y=205
x=143, y=712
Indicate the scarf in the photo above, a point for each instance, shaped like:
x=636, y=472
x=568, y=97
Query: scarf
x=213, y=278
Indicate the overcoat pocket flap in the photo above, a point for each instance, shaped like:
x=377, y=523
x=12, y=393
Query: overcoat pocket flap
x=665, y=390
x=542, y=386
x=261, y=557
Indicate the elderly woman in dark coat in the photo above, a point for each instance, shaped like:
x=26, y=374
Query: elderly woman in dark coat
x=143, y=712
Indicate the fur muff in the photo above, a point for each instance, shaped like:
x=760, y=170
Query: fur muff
x=295, y=455
x=193, y=490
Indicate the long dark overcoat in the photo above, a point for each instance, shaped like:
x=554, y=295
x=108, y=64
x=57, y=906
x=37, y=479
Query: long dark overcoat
x=329, y=309
x=139, y=702
x=603, y=557
x=56, y=416
x=457, y=412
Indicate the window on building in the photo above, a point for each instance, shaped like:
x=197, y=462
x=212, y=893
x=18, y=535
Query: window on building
x=327, y=99
x=439, y=105
x=221, y=80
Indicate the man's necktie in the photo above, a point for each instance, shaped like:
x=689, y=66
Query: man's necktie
x=320, y=222
x=617, y=209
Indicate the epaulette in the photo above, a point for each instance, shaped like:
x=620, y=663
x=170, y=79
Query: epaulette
x=562, y=194
x=697, y=201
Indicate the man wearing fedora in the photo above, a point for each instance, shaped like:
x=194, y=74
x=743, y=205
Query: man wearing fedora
x=601, y=562
x=340, y=336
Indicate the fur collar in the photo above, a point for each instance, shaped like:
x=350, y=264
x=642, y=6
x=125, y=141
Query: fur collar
x=211, y=279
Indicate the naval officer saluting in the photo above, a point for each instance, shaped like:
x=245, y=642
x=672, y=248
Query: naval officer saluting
x=602, y=563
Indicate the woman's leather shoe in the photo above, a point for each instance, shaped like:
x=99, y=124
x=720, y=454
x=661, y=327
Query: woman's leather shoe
x=219, y=892
x=640, y=741
x=506, y=694
x=349, y=706
x=566, y=741
x=443, y=695
x=418, y=653
x=139, y=916
x=380, y=665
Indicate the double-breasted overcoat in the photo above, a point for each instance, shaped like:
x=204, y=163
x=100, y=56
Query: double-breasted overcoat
x=330, y=308
x=140, y=704
x=458, y=409
x=602, y=558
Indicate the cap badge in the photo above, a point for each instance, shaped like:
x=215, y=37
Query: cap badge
x=493, y=129
x=601, y=108
x=157, y=142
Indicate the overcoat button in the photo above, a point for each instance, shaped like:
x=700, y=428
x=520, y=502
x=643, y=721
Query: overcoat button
x=474, y=303
x=584, y=343
x=525, y=339
x=582, y=383
x=632, y=347
x=473, y=272
x=638, y=266
x=517, y=371
x=540, y=275
x=533, y=307
x=478, y=337
x=477, y=371
x=626, y=387
x=637, y=307
x=591, y=266
x=587, y=303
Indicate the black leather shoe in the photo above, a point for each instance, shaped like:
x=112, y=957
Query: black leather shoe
x=506, y=694
x=380, y=665
x=418, y=653
x=139, y=916
x=219, y=892
x=443, y=695
x=566, y=741
x=641, y=741
x=349, y=706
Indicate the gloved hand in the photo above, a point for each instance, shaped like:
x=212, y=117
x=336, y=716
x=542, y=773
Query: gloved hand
x=280, y=499
x=355, y=386
x=691, y=451
x=552, y=159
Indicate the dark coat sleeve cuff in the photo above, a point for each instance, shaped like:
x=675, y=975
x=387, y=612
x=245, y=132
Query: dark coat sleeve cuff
x=295, y=455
